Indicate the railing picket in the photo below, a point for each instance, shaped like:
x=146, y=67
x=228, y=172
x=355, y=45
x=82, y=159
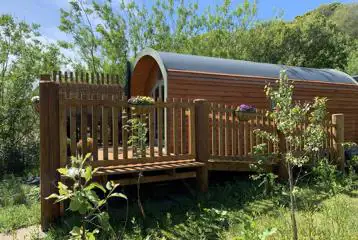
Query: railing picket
x=84, y=125
x=62, y=131
x=151, y=132
x=95, y=128
x=234, y=132
x=105, y=129
x=115, y=128
x=246, y=144
x=183, y=135
x=170, y=130
x=227, y=130
x=192, y=129
x=124, y=130
x=175, y=128
x=160, y=127
x=251, y=135
x=214, y=130
x=221, y=132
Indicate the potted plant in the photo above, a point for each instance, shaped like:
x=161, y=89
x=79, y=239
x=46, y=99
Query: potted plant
x=245, y=112
x=139, y=104
x=36, y=103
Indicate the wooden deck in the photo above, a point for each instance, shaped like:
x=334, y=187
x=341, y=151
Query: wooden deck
x=130, y=153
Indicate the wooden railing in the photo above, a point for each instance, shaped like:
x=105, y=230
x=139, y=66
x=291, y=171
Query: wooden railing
x=233, y=139
x=101, y=114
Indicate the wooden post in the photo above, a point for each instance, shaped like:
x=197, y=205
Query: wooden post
x=49, y=149
x=202, y=141
x=282, y=171
x=338, y=139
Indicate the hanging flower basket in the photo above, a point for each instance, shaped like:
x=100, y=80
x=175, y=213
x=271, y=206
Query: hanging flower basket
x=245, y=112
x=36, y=103
x=141, y=104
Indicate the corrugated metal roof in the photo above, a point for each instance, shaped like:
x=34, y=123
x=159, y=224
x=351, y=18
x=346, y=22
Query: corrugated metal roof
x=239, y=67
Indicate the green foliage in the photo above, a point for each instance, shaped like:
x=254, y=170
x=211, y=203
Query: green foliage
x=326, y=177
x=106, y=33
x=138, y=137
x=19, y=204
x=300, y=144
x=22, y=58
x=84, y=200
x=98, y=35
x=263, y=158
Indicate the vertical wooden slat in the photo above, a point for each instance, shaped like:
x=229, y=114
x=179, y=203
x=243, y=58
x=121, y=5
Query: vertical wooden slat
x=105, y=129
x=239, y=137
x=115, y=131
x=262, y=122
x=270, y=130
x=234, y=132
x=95, y=115
x=175, y=128
x=160, y=127
x=251, y=135
x=183, y=136
x=214, y=130
x=84, y=125
x=227, y=130
x=192, y=130
x=221, y=132
x=124, y=129
x=246, y=139
x=63, y=130
x=151, y=132
x=170, y=130
x=73, y=128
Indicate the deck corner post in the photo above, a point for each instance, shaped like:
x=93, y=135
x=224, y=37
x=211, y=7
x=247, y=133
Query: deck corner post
x=338, y=139
x=49, y=149
x=282, y=168
x=202, y=141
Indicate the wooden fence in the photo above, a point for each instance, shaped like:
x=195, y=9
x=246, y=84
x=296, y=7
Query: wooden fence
x=234, y=139
x=182, y=134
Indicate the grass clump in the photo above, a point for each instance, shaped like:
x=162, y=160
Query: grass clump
x=19, y=204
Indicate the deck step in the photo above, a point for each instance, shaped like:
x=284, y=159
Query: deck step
x=145, y=167
x=157, y=178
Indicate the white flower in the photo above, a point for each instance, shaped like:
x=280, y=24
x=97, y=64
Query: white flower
x=35, y=99
x=73, y=172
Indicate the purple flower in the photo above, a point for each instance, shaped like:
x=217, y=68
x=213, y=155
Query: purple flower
x=246, y=108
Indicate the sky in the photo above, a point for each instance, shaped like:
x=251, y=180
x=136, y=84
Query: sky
x=47, y=14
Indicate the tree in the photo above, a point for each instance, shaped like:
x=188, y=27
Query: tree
x=98, y=35
x=22, y=59
x=105, y=35
x=297, y=145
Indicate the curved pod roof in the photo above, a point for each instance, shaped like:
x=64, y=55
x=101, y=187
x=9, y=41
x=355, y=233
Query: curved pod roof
x=192, y=63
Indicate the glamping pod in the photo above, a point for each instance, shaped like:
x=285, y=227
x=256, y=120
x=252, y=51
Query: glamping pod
x=167, y=75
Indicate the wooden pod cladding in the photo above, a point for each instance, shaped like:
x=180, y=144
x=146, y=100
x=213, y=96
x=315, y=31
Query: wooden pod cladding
x=233, y=82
